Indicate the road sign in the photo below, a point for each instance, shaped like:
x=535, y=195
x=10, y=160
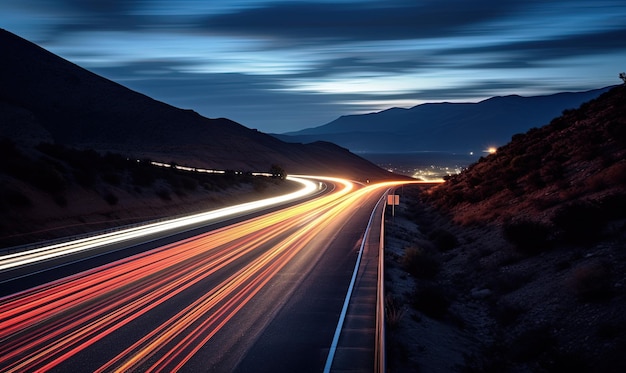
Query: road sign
x=393, y=199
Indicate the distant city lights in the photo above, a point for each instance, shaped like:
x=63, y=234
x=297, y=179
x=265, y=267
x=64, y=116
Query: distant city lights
x=431, y=173
x=435, y=173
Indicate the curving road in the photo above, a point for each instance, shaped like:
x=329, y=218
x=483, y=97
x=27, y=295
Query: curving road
x=260, y=294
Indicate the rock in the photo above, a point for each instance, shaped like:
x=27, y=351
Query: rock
x=480, y=293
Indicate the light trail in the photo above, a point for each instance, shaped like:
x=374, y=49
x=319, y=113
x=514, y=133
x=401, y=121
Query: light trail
x=44, y=327
x=18, y=259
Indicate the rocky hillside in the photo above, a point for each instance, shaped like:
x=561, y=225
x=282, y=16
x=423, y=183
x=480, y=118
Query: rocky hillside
x=578, y=159
x=53, y=191
x=518, y=264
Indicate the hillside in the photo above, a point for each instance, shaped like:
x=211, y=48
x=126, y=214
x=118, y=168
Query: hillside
x=518, y=263
x=53, y=191
x=579, y=157
x=44, y=98
x=447, y=127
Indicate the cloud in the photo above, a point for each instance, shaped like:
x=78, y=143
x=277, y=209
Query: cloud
x=285, y=23
x=260, y=101
x=256, y=101
x=377, y=20
x=551, y=48
x=283, y=65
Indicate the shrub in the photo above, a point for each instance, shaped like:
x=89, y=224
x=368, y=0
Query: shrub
x=188, y=183
x=608, y=330
x=617, y=130
x=592, y=282
x=11, y=198
x=529, y=237
x=507, y=282
x=117, y=161
x=506, y=314
x=613, y=206
x=431, y=300
x=420, y=263
x=532, y=344
x=46, y=176
x=259, y=185
x=535, y=182
x=42, y=174
x=579, y=221
x=85, y=178
x=552, y=171
x=60, y=200
x=110, y=198
x=111, y=177
x=143, y=174
x=443, y=239
x=164, y=194
x=394, y=311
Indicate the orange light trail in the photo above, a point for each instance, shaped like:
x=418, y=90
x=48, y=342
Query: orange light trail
x=43, y=327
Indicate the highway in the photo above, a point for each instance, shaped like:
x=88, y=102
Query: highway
x=261, y=293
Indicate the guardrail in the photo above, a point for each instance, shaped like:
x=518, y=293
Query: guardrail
x=380, y=360
x=60, y=240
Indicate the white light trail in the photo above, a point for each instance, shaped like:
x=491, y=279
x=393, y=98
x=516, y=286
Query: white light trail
x=49, y=252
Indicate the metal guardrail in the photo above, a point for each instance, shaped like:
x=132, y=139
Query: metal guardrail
x=61, y=240
x=380, y=359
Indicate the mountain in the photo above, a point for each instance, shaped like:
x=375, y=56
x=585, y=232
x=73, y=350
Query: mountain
x=523, y=252
x=448, y=127
x=44, y=98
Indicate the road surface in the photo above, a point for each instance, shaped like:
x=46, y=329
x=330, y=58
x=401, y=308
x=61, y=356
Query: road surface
x=262, y=294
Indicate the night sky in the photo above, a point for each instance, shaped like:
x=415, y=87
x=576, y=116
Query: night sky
x=281, y=66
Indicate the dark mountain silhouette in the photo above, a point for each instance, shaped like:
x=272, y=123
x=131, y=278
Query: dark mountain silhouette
x=448, y=127
x=46, y=98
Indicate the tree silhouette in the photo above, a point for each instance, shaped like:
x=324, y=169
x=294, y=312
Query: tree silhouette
x=277, y=172
x=623, y=77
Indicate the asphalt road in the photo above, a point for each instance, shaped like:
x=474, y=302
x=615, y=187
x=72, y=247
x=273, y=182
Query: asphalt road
x=258, y=295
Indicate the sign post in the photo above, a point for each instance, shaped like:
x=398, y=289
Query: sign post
x=393, y=200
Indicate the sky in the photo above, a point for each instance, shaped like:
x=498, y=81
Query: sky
x=280, y=66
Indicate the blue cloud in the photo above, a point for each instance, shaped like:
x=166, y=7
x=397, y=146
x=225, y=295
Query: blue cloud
x=283, y=65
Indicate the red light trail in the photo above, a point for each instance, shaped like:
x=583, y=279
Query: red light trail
x=43, y=327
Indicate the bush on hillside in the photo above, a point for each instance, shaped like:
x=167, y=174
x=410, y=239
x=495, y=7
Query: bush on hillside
x=443, y=239
x=420, y=263
x=431, y=300
x=592, y=282
x=11, y=198
x=613, y=206
x=43, y=174
x=533, y=344
x=529, y=237
x=143, y=174
x=110, y=198
x=164, y=194
x=579, y=221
